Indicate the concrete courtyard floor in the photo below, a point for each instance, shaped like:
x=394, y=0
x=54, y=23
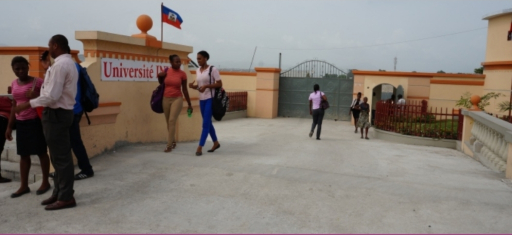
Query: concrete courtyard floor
x=270, y=177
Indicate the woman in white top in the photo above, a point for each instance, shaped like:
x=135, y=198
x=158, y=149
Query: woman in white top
x=315, y=99
x=206, y=85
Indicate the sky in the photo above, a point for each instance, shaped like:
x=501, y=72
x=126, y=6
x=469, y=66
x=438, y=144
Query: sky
x=362, y=34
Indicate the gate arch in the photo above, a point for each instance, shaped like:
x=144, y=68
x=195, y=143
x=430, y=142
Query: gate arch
x=296, y=84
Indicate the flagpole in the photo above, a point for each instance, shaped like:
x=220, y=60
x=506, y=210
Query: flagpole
x=161, y=24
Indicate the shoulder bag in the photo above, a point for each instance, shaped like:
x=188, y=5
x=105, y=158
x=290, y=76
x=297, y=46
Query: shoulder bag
x=324, y=104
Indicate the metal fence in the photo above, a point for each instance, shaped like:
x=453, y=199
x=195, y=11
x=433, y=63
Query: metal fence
x=417, y=119
x=237, y=101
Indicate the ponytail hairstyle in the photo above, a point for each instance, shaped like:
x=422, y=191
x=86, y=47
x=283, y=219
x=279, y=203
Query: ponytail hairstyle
x=316, y=88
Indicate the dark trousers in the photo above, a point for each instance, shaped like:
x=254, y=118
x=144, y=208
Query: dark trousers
x=3, y=127
x=56, y=125
x=78, y=146
x=318, y=117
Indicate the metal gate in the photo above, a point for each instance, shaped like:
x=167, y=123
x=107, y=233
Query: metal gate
x=296, y=84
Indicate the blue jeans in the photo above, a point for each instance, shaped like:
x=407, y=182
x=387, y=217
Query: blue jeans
x=78, y=146
x=206, y=113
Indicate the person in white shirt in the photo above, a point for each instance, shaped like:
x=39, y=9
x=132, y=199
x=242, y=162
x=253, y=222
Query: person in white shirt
x=208, y=79
x=58, y=99
x=354, y=109
x=315, y=110
x=401, y=100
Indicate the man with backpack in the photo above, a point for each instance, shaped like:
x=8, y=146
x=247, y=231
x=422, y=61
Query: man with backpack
x=74, y=133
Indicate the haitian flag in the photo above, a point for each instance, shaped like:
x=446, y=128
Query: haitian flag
x=171, y=17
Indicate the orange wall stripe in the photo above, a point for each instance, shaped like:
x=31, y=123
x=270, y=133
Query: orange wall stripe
x=497, y=65
x=417, y=98
x=109, y=104
x=411, y=74
x=267, y=89
x=457, y=82
x=268, y=70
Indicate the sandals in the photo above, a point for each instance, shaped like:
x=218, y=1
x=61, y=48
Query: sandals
x=15, y=195
x=169, y=149
x=367, y=138
x=4, y=180
x=310, y=134
x=213, y=150
x=42, y=191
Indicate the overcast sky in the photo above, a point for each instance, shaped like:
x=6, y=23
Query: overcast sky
x=348, y=33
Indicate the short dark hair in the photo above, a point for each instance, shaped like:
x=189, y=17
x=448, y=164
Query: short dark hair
x=359, y=93
x=62, y=42
x=204, y=54
x=400, y=96
x=44, y=55
x=171, y=57
x=19, y=59
x=316, y=88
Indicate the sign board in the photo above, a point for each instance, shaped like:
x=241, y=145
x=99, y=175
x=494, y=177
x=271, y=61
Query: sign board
x=131, y=70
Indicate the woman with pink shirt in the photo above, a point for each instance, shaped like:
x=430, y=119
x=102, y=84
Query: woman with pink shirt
x=175, y=81
x=315, y=110
x=30, y=139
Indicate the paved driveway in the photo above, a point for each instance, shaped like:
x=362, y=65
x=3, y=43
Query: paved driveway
x=269, y=177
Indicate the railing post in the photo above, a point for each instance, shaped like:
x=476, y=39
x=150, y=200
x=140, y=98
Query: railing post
x=508, y=171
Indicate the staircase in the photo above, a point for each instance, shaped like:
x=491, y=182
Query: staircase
x=10, y=163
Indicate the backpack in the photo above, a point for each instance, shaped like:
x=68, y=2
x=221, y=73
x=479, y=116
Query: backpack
x=157, y=98
x=90, y=99
x=220, y=100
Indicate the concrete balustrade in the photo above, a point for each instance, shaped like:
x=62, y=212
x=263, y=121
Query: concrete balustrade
x=488, y=140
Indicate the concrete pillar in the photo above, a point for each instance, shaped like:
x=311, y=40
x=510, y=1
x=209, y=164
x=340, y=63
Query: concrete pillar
x=508, y=171
x=466, y=134
x=267, y=92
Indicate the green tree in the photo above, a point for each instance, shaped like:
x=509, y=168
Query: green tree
x=465, y=101
x=382, y=70
x=441, y=71
x=479, y=70
x=505, y=106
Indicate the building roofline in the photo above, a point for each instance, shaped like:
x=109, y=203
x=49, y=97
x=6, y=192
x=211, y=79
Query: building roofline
x=497, y=14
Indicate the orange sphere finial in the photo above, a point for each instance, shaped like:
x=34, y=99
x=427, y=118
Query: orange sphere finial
x=475, y=100
x=144, y=23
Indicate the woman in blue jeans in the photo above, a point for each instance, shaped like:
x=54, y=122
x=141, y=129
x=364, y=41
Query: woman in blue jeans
x=208, y=78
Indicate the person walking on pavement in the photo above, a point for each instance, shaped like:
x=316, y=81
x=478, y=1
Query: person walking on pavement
x=58, y=97
x=175, y=81
x=364, y=120
x=315, y=99
x=208, y=78
x=354, y=109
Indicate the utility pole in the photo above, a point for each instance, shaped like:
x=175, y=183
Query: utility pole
x=279, y=60
x=395, y=63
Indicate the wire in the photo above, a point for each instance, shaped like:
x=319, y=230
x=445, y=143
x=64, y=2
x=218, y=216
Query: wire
x=374, y=45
